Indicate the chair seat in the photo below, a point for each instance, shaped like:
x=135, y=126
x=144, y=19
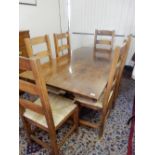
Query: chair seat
x=61, y=108
x=92, y=103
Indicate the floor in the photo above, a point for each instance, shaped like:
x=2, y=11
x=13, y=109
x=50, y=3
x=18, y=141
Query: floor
x=114, y=141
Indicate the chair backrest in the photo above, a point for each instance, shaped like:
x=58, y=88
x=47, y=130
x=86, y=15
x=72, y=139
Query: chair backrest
x=123, y=53
x=112, y=80
x=107, y=42
x=38, y=88
x=60, y=46
x=30, y=42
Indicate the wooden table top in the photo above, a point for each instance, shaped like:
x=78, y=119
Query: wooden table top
x=84, y=75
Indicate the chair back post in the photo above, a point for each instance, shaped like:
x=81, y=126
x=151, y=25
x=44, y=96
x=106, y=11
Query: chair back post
x=49, y=47
x=112, y=39
x=56, y=44
x=95, y=38
x=28, y=47
x=111, y=84
x=68, y=43
x=124, y=53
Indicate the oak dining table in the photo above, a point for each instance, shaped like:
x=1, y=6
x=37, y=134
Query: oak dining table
x=84, y=74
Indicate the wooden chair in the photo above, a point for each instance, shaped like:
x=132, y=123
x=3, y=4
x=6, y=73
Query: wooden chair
x=60, y=46
x=106, y=43
x=104, y=104
x=30, y=42
x=123, y=53
x=48, y=112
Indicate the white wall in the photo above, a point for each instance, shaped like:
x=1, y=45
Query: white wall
x=41, y=19
x=85, y=17
x=88, y=15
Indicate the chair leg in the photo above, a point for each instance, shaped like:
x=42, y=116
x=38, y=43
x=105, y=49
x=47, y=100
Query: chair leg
x=104, y=116
x=101, y=128
x=27, y=127
x=54, y=146
x=53, y=152
x=53, y=141
x=76, y=118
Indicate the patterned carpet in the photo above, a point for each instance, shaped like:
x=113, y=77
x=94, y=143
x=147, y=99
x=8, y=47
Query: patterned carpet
x=114, y=141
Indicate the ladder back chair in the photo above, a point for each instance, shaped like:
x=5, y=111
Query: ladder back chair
x=48, y=111
x=30, y=42
x=106, y=43
x=60, y=46
x=123, y=53
x=104, y=104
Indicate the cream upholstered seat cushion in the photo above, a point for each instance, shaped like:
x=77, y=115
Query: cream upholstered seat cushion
x=61, y=107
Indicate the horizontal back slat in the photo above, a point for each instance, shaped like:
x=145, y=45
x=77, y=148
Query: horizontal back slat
x=42, y=54
x=28, y=87
x=61, y=36
x=104, y=32
x=107, y=42
x=24, y=63
x=63, y=47
x=32, y=106
x=38, y=40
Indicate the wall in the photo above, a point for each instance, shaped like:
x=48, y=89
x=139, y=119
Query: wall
x=41, y=19
x=85, y=17
x=88, y=15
